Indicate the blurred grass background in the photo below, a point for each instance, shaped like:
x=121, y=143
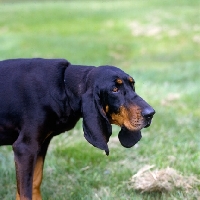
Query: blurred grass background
x=158, y=43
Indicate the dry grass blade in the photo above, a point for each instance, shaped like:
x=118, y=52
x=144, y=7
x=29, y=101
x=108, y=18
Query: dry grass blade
x=163, y=180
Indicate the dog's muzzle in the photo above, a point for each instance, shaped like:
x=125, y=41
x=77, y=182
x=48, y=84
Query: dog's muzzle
x=148, y=113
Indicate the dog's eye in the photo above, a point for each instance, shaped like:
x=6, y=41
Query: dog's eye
x=115, y=89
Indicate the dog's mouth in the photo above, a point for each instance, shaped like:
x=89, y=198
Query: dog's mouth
x=147, y=121
x=137, y=126
x=146, y=126
x=131, y=121
x=130, y=118
x=129, y=136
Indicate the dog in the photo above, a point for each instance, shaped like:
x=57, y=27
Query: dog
x=41, y=98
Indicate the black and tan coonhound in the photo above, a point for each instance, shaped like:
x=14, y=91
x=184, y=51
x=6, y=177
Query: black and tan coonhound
x=41, y=98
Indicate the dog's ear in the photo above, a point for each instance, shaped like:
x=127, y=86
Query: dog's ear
x=129, y=138
x=96, y=127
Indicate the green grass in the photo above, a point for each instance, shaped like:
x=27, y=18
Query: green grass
x=158, y=43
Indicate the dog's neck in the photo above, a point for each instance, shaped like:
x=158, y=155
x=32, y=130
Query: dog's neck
x=75, y=78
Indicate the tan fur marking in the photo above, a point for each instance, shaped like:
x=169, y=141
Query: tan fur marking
x=119, y=81
x=131, y=79
x=37, y=179
x=130, y=118
x=23, y=198
x=107, y=109
x=17, y=196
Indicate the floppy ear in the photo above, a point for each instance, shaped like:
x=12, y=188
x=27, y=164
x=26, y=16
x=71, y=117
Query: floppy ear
x=129, y=138
x=96, y=126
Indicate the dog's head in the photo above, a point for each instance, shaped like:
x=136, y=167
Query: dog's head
x=111, y=99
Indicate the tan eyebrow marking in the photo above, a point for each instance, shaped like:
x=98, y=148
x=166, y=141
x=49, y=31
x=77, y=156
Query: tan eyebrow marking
x=131, y=80
x=119, y=81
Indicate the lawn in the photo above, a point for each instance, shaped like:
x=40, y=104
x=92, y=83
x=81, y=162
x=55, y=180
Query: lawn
x=158, y=43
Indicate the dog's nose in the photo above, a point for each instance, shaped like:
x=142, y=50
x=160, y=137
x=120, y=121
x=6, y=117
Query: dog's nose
x=148, y=113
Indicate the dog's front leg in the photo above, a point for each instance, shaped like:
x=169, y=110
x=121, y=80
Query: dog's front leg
x=38, y=170
x=25, y=154
x=37, y=179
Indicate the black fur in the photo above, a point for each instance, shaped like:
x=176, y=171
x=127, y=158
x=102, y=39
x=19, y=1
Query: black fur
x=41, y=98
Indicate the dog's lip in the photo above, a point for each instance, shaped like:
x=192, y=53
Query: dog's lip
x=148, y=123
